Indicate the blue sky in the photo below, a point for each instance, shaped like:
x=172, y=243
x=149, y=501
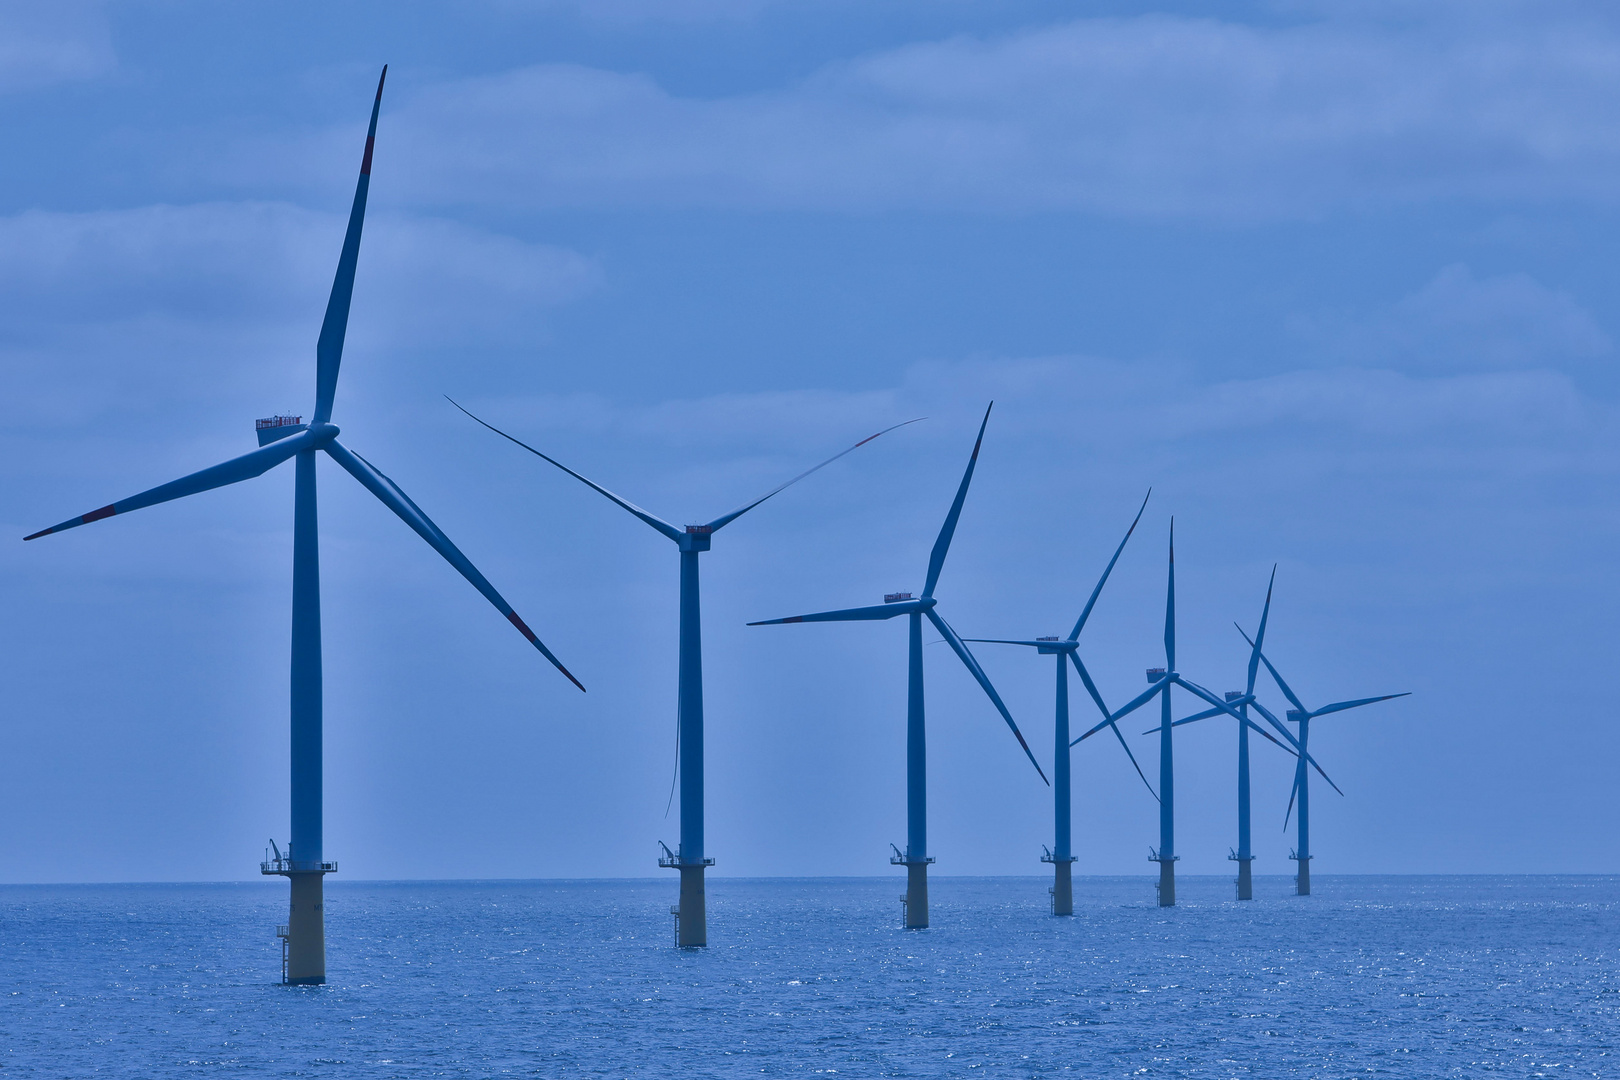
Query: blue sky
x=1334, y=279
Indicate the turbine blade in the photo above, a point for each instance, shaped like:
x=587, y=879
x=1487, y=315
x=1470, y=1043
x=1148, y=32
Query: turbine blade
x=1340, y=706
x=1091, y=688
x=854, y=614
x=1283, y=729
x=329, y=347
x=1268, y=735
x=676, y=775
x=1139, y=700
x=1226, y=708
x=1275, y=723
x=1005, y=641
x=1134, y=764
x=936, y=560
x=1281, y=685
x=1170, y=605
x=228, y=472
x=1294, y=791
x=651, y=519
x=720, y=522
x=400, y=503
x=977, y=672
x=1221, y=706
x=1080, y=623
x=1323, y=775
x=1194, y=718
x=1260, y=635
x=1287, y=692
x=1085, y=679
x=1135, y=703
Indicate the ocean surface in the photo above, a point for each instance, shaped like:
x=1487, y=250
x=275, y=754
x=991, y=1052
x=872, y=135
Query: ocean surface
x=1381, y=976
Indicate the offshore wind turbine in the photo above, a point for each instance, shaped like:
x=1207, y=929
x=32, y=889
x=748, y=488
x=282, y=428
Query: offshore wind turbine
x=1244, y=854
x=1163, y=680
x=1302, y=716
x=1061, y=855
x=280, y=438
x=692, y=921
x=916, y=858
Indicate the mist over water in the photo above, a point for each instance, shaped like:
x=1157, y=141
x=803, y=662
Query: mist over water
x=1406, y=976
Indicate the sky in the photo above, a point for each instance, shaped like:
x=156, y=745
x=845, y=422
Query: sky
x=1332, y=279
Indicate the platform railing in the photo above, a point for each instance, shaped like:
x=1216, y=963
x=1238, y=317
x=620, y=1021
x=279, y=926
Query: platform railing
x=280, y=864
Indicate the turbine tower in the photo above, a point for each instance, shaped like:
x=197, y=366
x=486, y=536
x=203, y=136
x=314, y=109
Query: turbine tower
x=304, y=862
x=915, y=858
x=1302, y=716
x=1061, y=854
x=692, y=921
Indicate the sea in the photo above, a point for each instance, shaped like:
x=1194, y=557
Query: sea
x=1371, y=976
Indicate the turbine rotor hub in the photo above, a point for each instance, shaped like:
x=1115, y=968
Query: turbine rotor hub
x=324, y=432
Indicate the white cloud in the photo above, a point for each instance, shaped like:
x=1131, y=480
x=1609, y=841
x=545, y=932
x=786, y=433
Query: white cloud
x=44, y=44
x=1107, y=409
x=265, y=259
x=1156, y=115
x=1458, y=321
x=658, y=12
x=214, y=293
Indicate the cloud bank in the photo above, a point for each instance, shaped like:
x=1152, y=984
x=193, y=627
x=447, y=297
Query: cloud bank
x=1152, y=116
x=46, y=44
x=217, y=293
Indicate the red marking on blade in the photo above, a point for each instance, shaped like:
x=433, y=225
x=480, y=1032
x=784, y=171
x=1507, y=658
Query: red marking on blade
x=795, y=618
x=42, y=532
x=97, y=515
x=517, y=622
x=365, y=165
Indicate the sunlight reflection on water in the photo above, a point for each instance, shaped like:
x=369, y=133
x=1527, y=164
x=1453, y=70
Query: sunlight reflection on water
x=1407, y=976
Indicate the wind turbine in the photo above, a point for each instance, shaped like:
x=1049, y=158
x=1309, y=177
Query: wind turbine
x=1244, y=855
x=692, y=922
x=915, y=858
x=1302, y=716
x=1061, y=855
x=282, y=437
x=1162, y=680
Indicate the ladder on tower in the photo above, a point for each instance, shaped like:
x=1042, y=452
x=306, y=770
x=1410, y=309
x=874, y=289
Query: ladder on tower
x=285, y=935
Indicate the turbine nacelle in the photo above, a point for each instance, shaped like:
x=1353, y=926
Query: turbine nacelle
x=695, y=538
x=1297, y=715
x=1053, y=645
x=271, y=428
x=1155, y=674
